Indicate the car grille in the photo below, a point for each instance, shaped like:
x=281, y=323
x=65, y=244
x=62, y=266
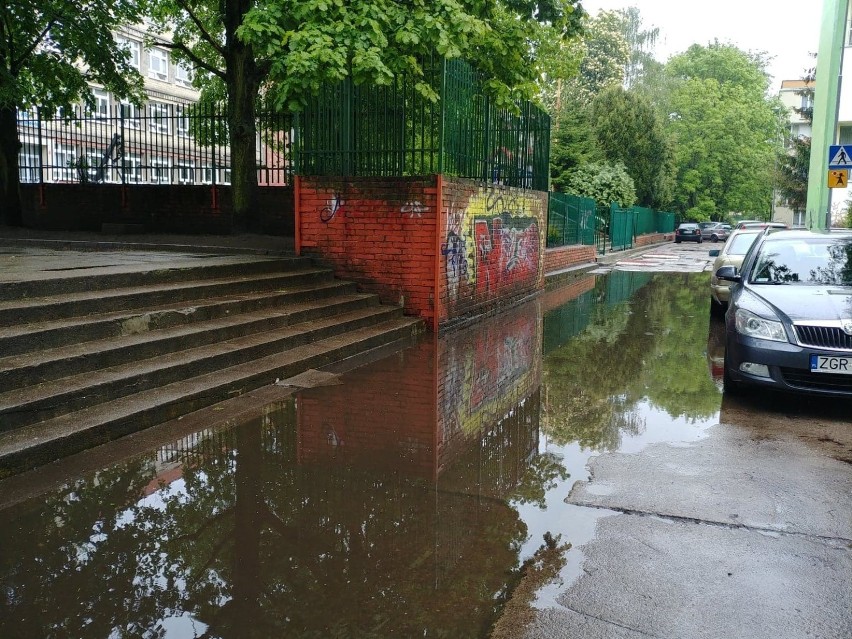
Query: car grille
x=804, y=379
x=823, y=337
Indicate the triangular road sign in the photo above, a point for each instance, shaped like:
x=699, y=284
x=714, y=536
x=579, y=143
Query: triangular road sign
x=840, y=156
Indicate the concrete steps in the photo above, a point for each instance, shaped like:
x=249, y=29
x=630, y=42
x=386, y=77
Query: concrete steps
x=83, y=362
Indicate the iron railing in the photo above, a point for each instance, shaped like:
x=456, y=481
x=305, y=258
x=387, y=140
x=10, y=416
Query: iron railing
x=161, y=143
x=571, y=219
x=360, y=130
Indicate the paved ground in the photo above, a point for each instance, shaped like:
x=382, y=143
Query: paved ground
x=669, y=257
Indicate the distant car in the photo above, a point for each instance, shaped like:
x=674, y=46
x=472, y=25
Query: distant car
x=731, y=254
x=761, y=225
x=714, y=231
x=688, y=232
x=789, y=320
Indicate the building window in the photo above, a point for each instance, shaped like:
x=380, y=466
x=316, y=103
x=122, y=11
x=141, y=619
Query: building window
x=207, y=174
x=63, y=163
x=158, y=117
x=158, y=64
x=132, y=168
x=226, y=176
x=93, y=160
x=161, y=171
x=101, y=107
x=798, y=218
x=29, y=163
x=845, y=135
x=186, y=172
x=133, y=47
x=182, y=121
x=183, y=74
x=130, y=114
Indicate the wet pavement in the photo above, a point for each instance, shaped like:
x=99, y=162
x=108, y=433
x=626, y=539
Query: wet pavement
x=570, y=468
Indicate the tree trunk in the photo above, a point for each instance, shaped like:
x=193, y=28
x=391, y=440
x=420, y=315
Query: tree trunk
x=242, y=81
x=10, y=193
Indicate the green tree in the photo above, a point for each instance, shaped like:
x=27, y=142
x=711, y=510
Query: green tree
x=49, y=51
x=725, y=128
x=572, y=145
x=285, y=50
x=603, y=182
x=630, y=131
x=641, y=43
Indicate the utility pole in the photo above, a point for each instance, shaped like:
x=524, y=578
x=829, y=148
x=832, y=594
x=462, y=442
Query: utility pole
x=826, y=96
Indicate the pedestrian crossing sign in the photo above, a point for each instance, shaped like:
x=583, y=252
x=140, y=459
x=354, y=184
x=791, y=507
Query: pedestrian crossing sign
x=840, y=156
x=838, y=179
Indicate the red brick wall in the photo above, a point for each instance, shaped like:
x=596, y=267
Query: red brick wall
x=492, y=246
x=556, y=259
x=653, y=238
x=379, y=232
x=174, y=208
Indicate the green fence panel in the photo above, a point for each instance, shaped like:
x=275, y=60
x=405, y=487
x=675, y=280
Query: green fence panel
x=621, y=228
x=645, y=221
x=571, y=219
x=665, y=222
x=621, y=285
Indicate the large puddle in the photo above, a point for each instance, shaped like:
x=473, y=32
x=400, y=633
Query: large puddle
x=401, y=501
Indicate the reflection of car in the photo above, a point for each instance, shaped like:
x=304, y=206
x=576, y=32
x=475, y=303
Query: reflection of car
x=789, y=322
x=714, y=231
x=748, y=224
x=688, y=232
x=731, y=254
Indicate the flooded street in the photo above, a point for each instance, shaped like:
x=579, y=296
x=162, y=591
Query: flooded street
x=565, y=469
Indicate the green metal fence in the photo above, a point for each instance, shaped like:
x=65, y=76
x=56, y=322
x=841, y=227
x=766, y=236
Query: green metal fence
x=367, y=130
x=621, y=227
x=571, y=219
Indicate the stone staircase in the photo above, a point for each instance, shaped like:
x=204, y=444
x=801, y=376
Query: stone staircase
x=89, y=358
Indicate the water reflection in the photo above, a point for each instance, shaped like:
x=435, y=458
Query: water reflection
x=401, y=502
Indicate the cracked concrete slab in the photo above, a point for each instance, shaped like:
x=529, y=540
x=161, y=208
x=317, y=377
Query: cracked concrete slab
x=651, y=577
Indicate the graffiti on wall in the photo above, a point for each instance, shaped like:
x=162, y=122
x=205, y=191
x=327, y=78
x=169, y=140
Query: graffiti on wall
x=335, y=204
x=413, y=208
x=492, y=242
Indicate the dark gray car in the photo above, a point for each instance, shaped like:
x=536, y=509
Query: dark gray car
x=789, y=320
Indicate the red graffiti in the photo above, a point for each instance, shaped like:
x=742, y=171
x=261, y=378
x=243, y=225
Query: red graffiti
x=505, y=254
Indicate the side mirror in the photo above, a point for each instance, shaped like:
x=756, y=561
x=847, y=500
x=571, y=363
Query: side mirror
x=729, y=274
x=715, y=252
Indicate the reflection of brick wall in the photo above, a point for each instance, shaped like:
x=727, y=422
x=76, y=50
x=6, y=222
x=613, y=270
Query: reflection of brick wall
x=563, y=294
x=381, y=235
x=383, y=416
x=556, y=259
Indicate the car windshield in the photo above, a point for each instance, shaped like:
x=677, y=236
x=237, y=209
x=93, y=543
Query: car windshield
x=823, y=261
x=741, y=243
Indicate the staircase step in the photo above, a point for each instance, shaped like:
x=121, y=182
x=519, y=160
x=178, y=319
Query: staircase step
x=56, y=306
x=18, y=371
x=38, y=443
x=128, y=274
x=39, y=336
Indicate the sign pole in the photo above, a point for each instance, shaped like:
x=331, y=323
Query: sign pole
x=825, y=111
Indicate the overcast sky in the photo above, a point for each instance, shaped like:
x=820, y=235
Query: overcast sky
x=786, y=29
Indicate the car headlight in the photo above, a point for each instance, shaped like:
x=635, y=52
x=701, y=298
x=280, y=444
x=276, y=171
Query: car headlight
x=755, y=326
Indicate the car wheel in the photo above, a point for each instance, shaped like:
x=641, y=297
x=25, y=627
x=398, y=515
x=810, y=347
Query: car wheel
x=700, y=240
x=677, y=241
x=714, y=238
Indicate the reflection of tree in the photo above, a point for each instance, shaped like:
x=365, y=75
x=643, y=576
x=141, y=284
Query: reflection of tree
x=649, y=347
x=838, y=271
x=248, y=542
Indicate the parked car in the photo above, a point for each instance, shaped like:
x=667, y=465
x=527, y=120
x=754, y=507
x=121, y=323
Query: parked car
x=688, y=232
x=761, y=225
x=732, y=254
x=714, y=231
x=789, y=320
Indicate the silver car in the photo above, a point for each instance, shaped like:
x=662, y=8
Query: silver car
x=714, y=231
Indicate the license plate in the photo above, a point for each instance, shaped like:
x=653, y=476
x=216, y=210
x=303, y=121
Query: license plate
x=836, y=365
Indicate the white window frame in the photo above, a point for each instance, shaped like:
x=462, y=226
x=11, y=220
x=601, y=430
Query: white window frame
x=64, y=157
x=158, y=64
x=226, y=176
x=101, y=98
x=93, y=161
x=29, y=162
x=185, y=171
x=181, y=121
x=156, y=174
x=183, y=74
x=158, y=117
x=135, y=49
x=132, y=165
x=131, y=114
x=206, y=174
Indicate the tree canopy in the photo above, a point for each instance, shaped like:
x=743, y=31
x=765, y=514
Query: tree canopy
x=50, y=50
